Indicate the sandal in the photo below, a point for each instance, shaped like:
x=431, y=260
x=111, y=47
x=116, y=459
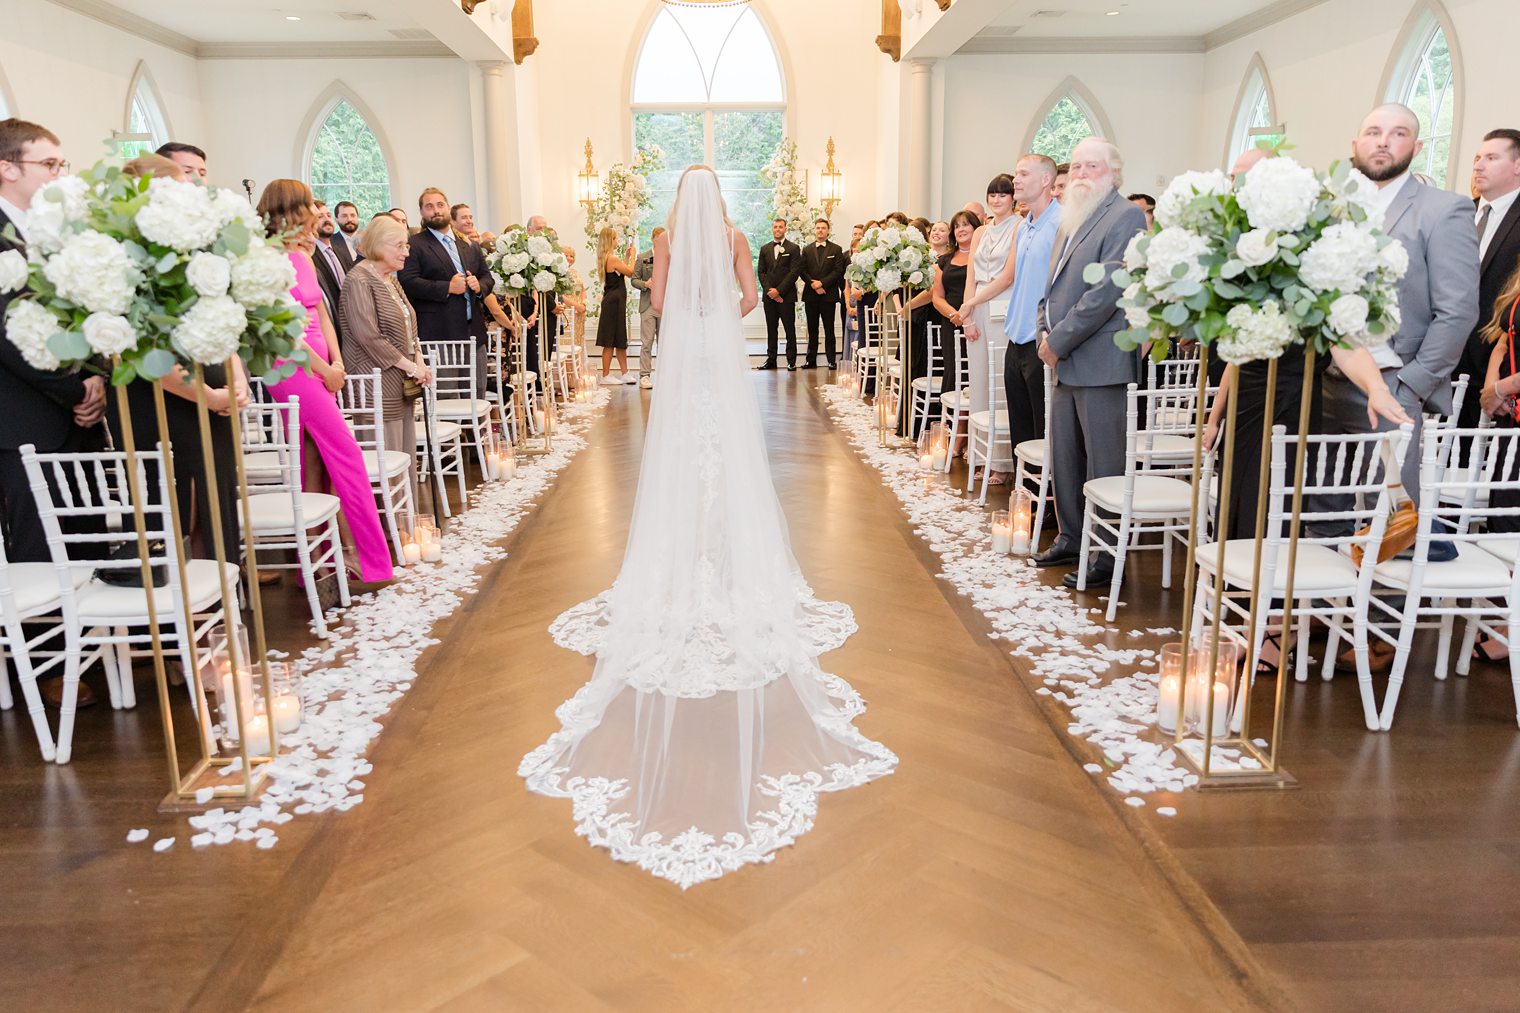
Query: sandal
x=1266, y=668
x=1480, y=650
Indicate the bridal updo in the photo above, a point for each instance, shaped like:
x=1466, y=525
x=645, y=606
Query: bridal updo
x=675, y=207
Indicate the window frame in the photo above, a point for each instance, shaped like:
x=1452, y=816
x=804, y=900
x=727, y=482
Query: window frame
x=143, y=90
x=1083, y=99
x=1256, y=85
x=1426, y=18
x=316, y=119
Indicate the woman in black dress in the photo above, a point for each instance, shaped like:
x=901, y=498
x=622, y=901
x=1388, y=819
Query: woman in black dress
x=950, y=292
x=1501, y=389
x=612, y=324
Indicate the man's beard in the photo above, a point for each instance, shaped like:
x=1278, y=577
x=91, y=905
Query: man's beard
x=1393, y=170
x=438, y=221
x=349, y=228
x=325, y=231
x=1080, y=200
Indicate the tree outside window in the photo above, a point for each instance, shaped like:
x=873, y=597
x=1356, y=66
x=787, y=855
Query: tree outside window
x=347, y=163
x=1064, y=126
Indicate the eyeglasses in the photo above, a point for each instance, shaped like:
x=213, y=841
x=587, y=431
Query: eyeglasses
x=54, y=166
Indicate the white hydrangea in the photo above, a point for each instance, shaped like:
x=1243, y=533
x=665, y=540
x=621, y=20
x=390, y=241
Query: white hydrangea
x=1255, y=334
x=914, y=236
x=211, y=330
x=916, y=279
x=910, y=258
x=1348, y=316
x=538, y=245
x=1278, y=194
x=891, y=238
x=888, y=279
x=1169, y=248
x=28, y=326
x=56, y=210
x=1393, y=261
x=544, y=281
x=1356, y=189
x=516, y=262
x=231, y=206
x=261, y=276
x=1340, y=259
x=547, y=258
x=93, y=270
x=864, y=258
x=1136, y=314
x=109, y=333
x=208, y=274
x=181, y=216
x=1172, y=207
x=517, y=282
x=1134, y=256
x=13, y=271
x=1254, y=248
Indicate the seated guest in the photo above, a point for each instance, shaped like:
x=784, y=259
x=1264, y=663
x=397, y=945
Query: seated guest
x=331, y=456
x=446, y=281
x=188, y=157
x=381, y=333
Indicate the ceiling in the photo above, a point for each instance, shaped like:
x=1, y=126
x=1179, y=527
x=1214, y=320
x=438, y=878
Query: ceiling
x=1090, y=18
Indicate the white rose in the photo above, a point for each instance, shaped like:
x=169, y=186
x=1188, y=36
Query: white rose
x=916, y=279
x=211, y=330
x=1172, y=207
x=181, y=216
x=1254, y=249
x=262, y=276
x=28, y=326
x=208, y=274
x=1278, y=194
x=517, y=282
x=108, y=333
x=1339, y=260
x=1348, y=316
x=13, y=271
x=93, y=270
x=1134, y=256
x=1393, y=260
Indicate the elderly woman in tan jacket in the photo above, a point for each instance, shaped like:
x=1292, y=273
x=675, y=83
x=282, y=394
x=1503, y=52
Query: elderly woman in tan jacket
x=380, y=332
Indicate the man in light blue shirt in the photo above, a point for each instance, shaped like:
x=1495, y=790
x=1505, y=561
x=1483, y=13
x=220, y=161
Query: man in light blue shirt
x=1023, y=374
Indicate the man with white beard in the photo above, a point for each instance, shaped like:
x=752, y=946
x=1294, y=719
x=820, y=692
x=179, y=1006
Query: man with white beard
x=1077, y=323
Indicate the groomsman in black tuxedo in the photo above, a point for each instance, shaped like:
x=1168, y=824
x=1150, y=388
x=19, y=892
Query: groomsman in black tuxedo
x=446, y=279
x=780, y=264
x=330, y=270
x=823, y=264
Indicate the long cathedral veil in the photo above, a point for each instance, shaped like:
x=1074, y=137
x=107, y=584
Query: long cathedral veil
x=708, y=729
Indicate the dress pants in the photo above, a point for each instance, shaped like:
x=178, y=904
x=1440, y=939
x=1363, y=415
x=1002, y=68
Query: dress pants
x=1024, y=380
x=1085, y=443
x=820, y=309
x=649, y=339
x=1346, y=413
x=783, y=313
x=25, y=541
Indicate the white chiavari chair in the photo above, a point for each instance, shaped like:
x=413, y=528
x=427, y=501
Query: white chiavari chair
x=390, y=471
x=955, y=405
x=868, y=352
x=1030, y=470
x=926, y=388
x=29, y=593
x=988, y=438
x=440, y=446
x=454, y=369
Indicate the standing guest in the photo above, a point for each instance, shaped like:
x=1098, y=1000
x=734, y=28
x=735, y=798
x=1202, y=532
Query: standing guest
x=852, y=316
x=1077, y=323
x=977, y=208
x=1145, y=202
x=992, y=265
x=1501, y=390
x=574, y=303
x=779, y=265
x=400, y=216
x=446, y=280
x=612, y=320
x=1063, y=173
x=898, y=218
x=346, y=239
x=330, y=270
x=189, y=158
x=1496, y=175
x=823, y=264
x=1034, y=180
x=527, y=305
x=649, y=317
x=463, y=220
x=949, y=292
x=381, y=333
x=54, y=410
x=330, y=454
x=939, y=238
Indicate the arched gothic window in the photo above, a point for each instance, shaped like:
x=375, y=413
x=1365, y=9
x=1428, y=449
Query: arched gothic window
x=707, y=87
x=1425, y=78
x=1255, y=115
x=146, y=127
x=1068, y=115
x=347, y=163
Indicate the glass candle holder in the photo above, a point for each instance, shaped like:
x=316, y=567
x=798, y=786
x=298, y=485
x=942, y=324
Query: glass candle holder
x=1021, y=509
x=1002, y=533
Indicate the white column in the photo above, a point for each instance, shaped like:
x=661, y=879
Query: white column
x=497, y=101
x=919, y=149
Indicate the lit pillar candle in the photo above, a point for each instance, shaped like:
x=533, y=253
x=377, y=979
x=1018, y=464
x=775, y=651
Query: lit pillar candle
x=1002, y=533
x=1166, y=704
x=287, y=713
x=257, y=728
x=411, y=553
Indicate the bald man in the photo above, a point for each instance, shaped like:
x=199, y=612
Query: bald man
x=1248, y=159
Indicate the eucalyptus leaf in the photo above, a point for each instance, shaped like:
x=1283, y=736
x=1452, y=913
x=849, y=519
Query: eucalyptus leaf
x=1175, y=314
x=1094, y=274
x=1122, y=278
x=69, y=346
x=1228, y=290
x=1232, y=269
x=156, y=364
x=166, y=263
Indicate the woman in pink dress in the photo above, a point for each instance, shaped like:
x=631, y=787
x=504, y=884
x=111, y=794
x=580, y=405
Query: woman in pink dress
x=287, y=209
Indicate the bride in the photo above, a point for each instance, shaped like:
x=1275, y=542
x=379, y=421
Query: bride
x=708, y=729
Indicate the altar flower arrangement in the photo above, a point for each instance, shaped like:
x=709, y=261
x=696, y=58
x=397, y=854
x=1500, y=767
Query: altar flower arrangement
x=891, y=258
x=155, y=271
x=524, y=265
x=1282, y=256
x=789, y=197
x=624, y=203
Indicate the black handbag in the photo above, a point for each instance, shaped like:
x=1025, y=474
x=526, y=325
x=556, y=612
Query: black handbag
x=131, y=576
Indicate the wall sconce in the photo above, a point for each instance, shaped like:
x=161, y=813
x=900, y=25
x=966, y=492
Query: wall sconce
x=588, y=183
x=830, y=184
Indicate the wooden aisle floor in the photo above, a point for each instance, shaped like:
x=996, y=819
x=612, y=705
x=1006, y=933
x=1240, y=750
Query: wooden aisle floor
x=988, y=872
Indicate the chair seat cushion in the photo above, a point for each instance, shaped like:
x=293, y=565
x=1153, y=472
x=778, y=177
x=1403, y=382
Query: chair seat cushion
x=956, y=399
x=926, y=382
x=1505, y=548
x=462, y=407
x=1168, y=446
x=396, y=463
x=35, y=586
x=979, y=421
x=1472, y=570
x=1153, y=494
x=275, y=512
x=1031, y=452
x=101, y=603
x=262, y=467
x=447, y=432
x=1321, y=569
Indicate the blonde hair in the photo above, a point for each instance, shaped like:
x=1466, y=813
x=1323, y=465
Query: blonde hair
x=1498, y=324
x=378, y=234
x=675, y=207
x=606, y=242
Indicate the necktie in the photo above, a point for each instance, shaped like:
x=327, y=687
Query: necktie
x=448, y=244
x=1483, y=214
x=333, y=263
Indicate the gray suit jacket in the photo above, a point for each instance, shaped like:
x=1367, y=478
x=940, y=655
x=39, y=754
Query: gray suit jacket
x=643, y=271
x=1436, y=295
x=1082, y=319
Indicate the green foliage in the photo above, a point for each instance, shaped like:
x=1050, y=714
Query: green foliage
x=347, y=164
x=1066, y=125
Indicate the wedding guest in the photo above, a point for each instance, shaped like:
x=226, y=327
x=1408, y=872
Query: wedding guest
x=188, y=157
x=537, y=224
x=949, y=292
x=778, y=267
x=649, y=318
x=823, y=264
x=898, y=218
x=400, y=216
x=381, y=333
x=921, y=224
x=612, y=321
x=865, y=302
x=1077, y=323
x=446, y=279
x=330, y=270
x=1501, y=390
x=977, y=208
x=1034, y=180
x=1248, y=159
x=1063, y=173
x=463, y=220
x=528, y=306
x=1145, y=202
x=56, y=410
x=992, y=266
x=346, y=239
x=575, y=303
x=939, y=239
x=1496, y=174
x=852, y=315
x=330, y=454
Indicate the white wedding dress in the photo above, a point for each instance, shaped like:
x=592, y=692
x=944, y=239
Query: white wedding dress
x=708, y=729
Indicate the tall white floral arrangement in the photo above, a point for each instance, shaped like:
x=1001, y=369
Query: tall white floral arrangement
x=524, y=264
x=789, y=198
x=156, y=271
x=891, y=258
x=624, y=203
x=1282, y=256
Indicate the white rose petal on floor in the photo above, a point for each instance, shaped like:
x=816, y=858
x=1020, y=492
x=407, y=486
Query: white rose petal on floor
x=352, y=680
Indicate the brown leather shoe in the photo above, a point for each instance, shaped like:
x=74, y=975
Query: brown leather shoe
x=52, y=693
x=1379, y=658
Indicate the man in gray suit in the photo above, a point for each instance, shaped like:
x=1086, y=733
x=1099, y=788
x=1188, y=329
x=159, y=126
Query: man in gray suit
x=1436, y=303
x=649, y=320
x=1077, y=322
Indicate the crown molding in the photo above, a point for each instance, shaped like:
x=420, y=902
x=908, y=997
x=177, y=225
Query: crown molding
x=423, y=50
x=998, y=44
x=131, y=23
x=1269, y=15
